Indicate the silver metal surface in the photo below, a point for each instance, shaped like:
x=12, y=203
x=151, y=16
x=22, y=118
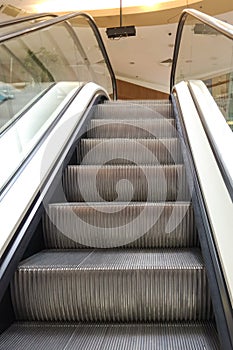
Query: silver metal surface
x=92, y=183
x=126, y=151
x=180, y=336
x=155, y=103
x=132, y=111
x=155, y=273
x=131, y=128
x=138, y=225
x=112, y=285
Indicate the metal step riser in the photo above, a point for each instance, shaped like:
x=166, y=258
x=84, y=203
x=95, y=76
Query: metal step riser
x=126, y=151
x=125, y=183
x=95, y=288
x=135, y=226
x=123, y=111
x=148, y=129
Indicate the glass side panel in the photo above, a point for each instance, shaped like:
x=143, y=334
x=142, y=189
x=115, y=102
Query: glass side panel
x=21, y=81
x=31, y=63
x=39, y=71
x=207, y=55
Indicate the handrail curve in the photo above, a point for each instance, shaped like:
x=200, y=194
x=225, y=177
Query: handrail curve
x=220, y=26
x=65, y=18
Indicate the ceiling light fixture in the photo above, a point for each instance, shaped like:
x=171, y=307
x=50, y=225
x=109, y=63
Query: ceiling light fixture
x=120, y=32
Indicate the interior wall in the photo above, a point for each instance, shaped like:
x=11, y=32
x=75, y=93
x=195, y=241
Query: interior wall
x=129, y=91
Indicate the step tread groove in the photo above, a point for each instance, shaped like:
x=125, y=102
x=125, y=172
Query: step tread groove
x=177, y=336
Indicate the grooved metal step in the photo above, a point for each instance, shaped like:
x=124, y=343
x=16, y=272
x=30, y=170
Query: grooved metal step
x=93, y=183
x=52, y=336
x=128, y=151
x=132, y=111
x=142, y=128
x=137, y=225
x=112, y=286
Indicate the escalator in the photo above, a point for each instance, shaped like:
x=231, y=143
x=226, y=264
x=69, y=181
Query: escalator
x=116, y=258
x=158, y=274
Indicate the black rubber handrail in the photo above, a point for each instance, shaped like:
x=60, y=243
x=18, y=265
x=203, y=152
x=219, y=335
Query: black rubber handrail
x=220, y=26
x=65, y=18
x=25, y=19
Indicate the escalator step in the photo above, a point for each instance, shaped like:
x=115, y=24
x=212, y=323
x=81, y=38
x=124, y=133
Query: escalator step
x=142, y=128
x=152, y=103
x=112, y=286
x=126, y=151
x=132, y=111
x=93, y=183
x=137, y=225
x=157, y=101
x=180, y=336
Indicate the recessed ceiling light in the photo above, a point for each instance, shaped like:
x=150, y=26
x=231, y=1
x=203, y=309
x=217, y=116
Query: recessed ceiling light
x=166, y=63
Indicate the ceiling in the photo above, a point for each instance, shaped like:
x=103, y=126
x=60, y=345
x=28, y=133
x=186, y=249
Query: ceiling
x=139, y=59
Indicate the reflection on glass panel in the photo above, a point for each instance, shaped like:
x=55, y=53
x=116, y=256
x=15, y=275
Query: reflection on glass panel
x=49, y=62
x=221, y=88
x=207, y=54
x=18, y=83
x=29, y=64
